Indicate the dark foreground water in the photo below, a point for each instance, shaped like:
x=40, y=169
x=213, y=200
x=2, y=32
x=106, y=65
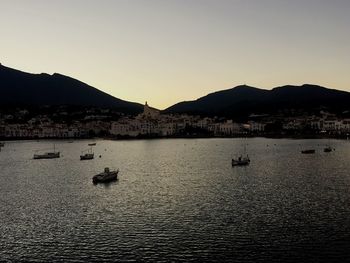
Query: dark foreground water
x=176, y=200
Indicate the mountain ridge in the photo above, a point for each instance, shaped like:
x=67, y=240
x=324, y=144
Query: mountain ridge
x=28, y=89
x=19, y=88
x=244, y=100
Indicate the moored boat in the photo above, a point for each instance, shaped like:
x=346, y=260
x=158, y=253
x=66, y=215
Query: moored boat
x=106, y=176
x=48, y=155
x=2, y=144
x=89, y=155
x=328, y=149
x=92, y=144
x=308, y=151
x=241, y=161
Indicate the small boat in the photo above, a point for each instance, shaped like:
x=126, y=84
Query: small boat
x=328, y=149
x=309, y=151
x=87, y=156
x=240, y=161
x=47, y=155
x=2, y=144
x=106, y=176
x=92, y=144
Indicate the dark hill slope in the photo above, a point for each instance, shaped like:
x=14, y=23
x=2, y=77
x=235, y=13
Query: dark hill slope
x=20, y=88
x=217, y=102
x=244, y=100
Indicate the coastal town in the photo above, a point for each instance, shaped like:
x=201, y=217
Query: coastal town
x=152, y=123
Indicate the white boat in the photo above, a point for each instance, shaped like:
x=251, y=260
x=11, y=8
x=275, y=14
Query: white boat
x=48, y=155
x=89, y=155
x=106, y=176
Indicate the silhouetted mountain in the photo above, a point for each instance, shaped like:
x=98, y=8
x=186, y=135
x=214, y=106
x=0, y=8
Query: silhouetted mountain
x=25, y=89
x=241, y=101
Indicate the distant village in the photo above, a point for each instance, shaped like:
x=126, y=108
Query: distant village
x=151, y=123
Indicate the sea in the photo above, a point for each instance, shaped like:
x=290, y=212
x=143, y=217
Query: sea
x=176, y=200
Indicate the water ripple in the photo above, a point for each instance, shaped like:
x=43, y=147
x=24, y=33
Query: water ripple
x=176, y=201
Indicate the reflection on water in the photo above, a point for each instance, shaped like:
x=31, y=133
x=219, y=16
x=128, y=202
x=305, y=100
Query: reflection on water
x=176, y=200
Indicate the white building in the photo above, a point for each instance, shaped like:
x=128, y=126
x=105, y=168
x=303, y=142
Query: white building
x=227, y=128
x=293, y=125
x=256, y=126
x=167, y=129
x=346, y=125
x=125, y=127
x=149, y=113
x=332, y=125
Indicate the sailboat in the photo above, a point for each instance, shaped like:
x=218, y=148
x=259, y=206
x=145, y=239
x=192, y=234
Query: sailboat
x=48, y=155
x=241, y=160
x=89, y=155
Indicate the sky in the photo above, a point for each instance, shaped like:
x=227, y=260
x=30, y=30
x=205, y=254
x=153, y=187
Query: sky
x=167, y=51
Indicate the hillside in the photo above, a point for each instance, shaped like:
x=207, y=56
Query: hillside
x=244, y=100
x=25, y=89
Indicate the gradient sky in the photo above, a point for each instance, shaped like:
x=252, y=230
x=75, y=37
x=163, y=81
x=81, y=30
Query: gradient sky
x=166, y=51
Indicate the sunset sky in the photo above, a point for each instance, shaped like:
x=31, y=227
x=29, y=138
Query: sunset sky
x=166, y=51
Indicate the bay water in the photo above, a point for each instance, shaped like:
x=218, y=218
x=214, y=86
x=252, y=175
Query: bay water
x=176, y=200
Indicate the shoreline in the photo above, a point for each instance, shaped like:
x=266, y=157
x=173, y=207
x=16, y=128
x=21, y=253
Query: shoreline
x=127, y=138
